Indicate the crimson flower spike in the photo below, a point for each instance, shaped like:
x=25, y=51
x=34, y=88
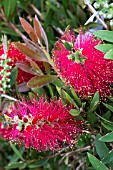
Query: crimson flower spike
x=82, y=66
x=41, y=125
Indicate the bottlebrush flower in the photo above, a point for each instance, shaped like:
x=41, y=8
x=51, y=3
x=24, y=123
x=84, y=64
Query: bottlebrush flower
x=41, y=125
x=82, y=66
x=15, y=55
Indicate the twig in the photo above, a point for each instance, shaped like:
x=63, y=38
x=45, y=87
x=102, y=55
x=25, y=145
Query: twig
x=37, y=12
x=94, y=11
x=80, y=165
x=58, y=30
x=11, y=25
x=71, y=153
x=9, y=97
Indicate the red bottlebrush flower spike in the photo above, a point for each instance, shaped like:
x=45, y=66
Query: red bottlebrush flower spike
x=15, y=55
x=41, y=125
x=82, y=66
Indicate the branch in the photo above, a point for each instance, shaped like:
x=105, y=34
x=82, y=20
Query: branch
x=87, y=2
x=72, y=152
x=37, y=12
x=11, y=25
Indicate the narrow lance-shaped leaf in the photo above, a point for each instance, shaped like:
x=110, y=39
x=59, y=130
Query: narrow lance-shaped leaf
x=43, y=34
x=108, y=126
x=40, y=81
x=69, y=98
x=107, y=138
x=74, y=112
x=94, y=102
x=37, y=29
x=35, y=67
x=108, y=106
x=16, y=151
x=33, y=36
x=59, y=90
x=16, y=165
x=13, y=76
x=107, y=121
x=67, y=46
x=101, y=147
x=27, y=27
x=38, y=163
x=15, y=158
x=104, y=47
x=22, y=88
x=98, y=165
x=30, y=53
x=58, y=82
x=109, y=55
x=47, y=67
x=108, y=158
x=9, y=7
x=77, y=99
x=35, y=47
x=25, y=67
x=104, y=35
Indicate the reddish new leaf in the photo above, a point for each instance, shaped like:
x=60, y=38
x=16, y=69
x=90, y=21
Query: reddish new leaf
x=26, y=68
x=27, y=27
x=30, y=53
x=37, y=29
x=40, y=81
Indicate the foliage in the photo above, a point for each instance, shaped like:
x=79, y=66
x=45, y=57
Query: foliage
x=93, y=148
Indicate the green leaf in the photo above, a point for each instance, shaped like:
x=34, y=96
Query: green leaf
x=69, y=98
x=106, y=121
x=104, y=35
x=13, y=76
x=40, y=91
x=24, y=5
x=98, y=165
x=107, y=115
x=15, y=158
x=108, y=126
x=40, y=81
x=108, y=106
x=107, y=138
x=67, y=46
x=8, y=31
x=92, y=118
x=58, y=90
x=27, y=68
x=108, y=158
x=9, y=7
x=74, y=112
x=38, y=163
x=81, y=141
x=47, y=67
x=109, y=55
x=58, y=82
x=20, y=165
x=110, y=98
x=104, y=47
x=77, y=99
x=16, y=151
x=101, y=148
x=94, y=102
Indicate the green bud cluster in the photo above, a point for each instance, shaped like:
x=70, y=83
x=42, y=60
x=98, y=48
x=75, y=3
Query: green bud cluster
x=5, y=68
x=105, y=8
